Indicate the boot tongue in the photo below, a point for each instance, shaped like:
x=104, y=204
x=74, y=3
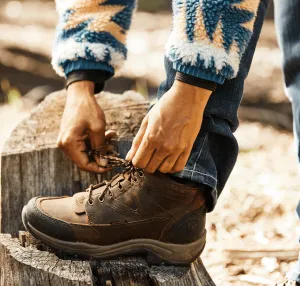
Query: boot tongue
x=81, y=198
x=120, y=178
x=79, y=202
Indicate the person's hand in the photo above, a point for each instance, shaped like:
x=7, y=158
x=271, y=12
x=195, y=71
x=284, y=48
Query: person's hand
x=82, y=120
x=168, y=132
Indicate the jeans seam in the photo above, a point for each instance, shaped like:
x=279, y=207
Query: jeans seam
x=204, y=174
x=200, y=152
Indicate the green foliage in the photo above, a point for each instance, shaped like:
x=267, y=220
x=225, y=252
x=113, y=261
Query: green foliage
x=8, y=93
x=13, y=96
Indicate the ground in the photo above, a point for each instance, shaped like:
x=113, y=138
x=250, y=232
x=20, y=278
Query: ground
x=255, y=218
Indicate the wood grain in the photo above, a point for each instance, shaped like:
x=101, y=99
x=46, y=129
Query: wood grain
x=31, y=266
x=32, y=165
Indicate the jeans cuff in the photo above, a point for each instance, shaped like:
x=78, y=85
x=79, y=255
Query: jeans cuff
x=198, y=177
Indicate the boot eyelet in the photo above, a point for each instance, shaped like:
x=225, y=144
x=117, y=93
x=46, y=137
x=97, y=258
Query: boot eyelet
x=141, y=174
x=91, y=202
x=101, y=200
x=135, y=180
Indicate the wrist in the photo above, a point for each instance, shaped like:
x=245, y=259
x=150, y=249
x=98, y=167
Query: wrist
x=98, y=77
x=82, y=87
x=192, y=94
x=195, y=81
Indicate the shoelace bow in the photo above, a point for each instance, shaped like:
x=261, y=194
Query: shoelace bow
x=114, y=162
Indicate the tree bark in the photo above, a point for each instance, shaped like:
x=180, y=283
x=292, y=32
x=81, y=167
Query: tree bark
x=32, y=165
x=27, y=265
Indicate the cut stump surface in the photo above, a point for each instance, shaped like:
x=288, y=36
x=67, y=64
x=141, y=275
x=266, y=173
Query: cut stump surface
x=32, y=165
x=30, y=266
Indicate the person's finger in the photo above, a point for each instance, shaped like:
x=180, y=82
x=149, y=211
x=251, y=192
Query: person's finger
x=107, y=148
x=94, y=168
x=156, y=160
x=97, y=137
x=144, y=153
x=137, y=141
x=168, y=163
x=75, y=151
x=97, y=140
x=181, y=162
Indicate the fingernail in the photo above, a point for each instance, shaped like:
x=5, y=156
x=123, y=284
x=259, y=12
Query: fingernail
x=128, y=156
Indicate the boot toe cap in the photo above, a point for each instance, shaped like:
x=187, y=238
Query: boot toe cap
x=37, y=221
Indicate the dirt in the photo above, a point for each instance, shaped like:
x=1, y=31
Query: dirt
x=256, y=211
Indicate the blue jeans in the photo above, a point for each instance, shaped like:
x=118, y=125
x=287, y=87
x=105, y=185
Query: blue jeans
x=287, y=14
x=215, y=150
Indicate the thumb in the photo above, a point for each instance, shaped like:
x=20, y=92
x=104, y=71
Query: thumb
x=97, y=140
x=97, y=137
x=137, y=140
x=102, y=139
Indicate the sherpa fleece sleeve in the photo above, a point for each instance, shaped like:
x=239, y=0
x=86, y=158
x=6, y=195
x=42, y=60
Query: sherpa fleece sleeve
x=91, y=35
x=209, y=37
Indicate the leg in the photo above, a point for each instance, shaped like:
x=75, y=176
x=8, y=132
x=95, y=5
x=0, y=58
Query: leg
x=215, y=150
x=287, y=24
x=114, y=218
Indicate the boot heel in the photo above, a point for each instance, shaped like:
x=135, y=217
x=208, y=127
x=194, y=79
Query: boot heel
x=153, y=259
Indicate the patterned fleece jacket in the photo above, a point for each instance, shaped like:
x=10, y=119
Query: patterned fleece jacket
x=207, y=41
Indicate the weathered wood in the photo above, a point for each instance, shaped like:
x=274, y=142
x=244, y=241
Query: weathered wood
x=31, y=266
x=32, y=165
x=281, y=254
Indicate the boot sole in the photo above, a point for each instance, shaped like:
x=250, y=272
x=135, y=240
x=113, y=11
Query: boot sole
x=157, y=252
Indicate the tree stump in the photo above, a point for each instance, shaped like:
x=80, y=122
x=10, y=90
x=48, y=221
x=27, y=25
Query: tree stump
x=30, y=265
x=32, y=165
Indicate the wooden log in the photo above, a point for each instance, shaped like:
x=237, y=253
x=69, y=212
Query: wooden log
x=32, y=165
x=32, y=266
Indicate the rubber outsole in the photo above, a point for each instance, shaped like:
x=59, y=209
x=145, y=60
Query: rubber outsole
x=157, y=252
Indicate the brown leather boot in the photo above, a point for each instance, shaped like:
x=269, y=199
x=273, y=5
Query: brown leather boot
x=136, y=212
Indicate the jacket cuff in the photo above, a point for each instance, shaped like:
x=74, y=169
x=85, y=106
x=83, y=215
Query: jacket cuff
x=195, y=81
x=83, y=64
x=97, y=76
x=196, y=71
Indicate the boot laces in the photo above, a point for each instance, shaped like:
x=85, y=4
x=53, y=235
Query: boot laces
x=114, y=162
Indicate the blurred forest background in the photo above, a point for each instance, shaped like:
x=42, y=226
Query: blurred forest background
x=253, y=232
